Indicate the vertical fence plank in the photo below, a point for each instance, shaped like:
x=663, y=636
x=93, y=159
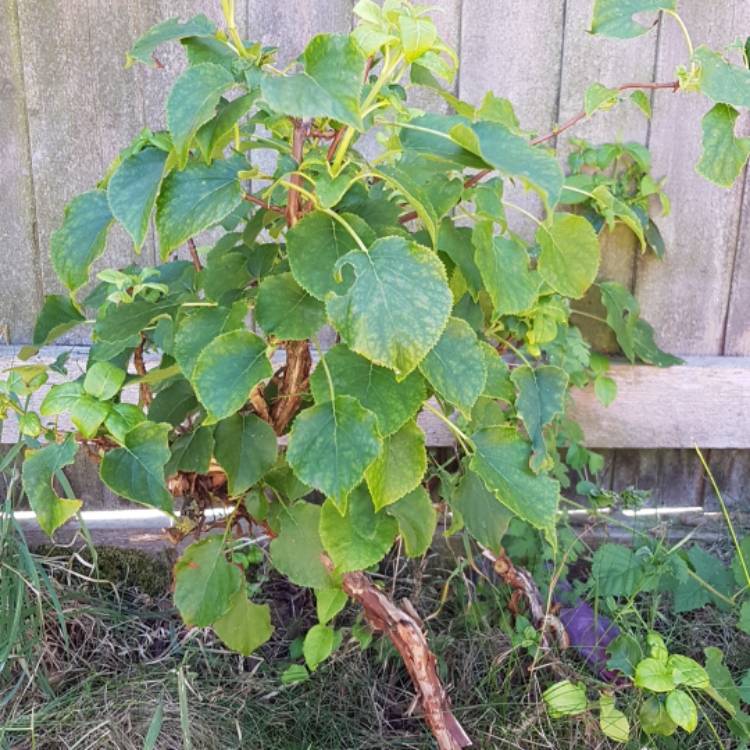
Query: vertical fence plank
x=20, y=287
x=737, y=333
x=83, y=107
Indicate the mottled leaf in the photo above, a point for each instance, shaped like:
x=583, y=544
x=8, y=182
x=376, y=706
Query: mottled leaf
x=724, y=154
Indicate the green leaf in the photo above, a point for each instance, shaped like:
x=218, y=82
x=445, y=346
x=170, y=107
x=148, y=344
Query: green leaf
x=455, y=242
x=314, y=245
x=455, y=366
x=136, y=471
x=641, y=100
x=38, y=474
x=168, y=31
x=196, y=198
x=285, y=310
x=294, y=674
x=192, y=102
x=361, y=537
x=57, y=316
x=504, y=265
x=103, y=380
x=565, y=698
x=599, y=97
x=569, y=257
x=318, y=645
x=654, y=718
x=328, y=603
x=541, y=398
x=616, y=571
x=433, y=138
x=393, y=402
x=513, y=156
x=61, y=398
x=173, y=403
x=613, y=722
x=121, y=420
x=687, y=671
x=722, y=690
x=87, y=415
x=132, y=191
x=397, y=307
x=625, y=653
x=605, y=389
x=81, y=239
x=400, y=466
x=228, y=369
x=720, y=80
x=417, y=521
x=192, y=452
x=331, y=85
x=332, y=444
x=296, y=551
x=245, y=626
x=245, y=447
x=654, y=675
x=213, y=134
x=418, y=35
x=724, y=154
x=682, y=710
x=199, y=326
x=744, y=621
x=501, y=459
x=120, y=323
x=615, y=17
x=205, y=583
x=486, y=518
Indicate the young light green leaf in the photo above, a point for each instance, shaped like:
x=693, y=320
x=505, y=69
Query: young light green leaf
x=417, y=521
x=504, y=266
x=136, y=471
x=613, y=722
x=615, y=17
x=38, y=474
x=565, y=698
x=501, y=459
x=486, y=518
x=245, y=447
x=397, y=307
x=641, y=100
x=400, y=466
x=315, y=244
x=57, y=316
x=361, y=537
x=682, y=710
x=192, y=102
x=81, y=239
x=569, y=257
x=599, y=97
x=167, y=31
x=720, y=80
x=196, y=198
x=205, y=583
x=245, y=626
x=88, y=414
x=331, y=445
x=724, y=154
x=103, y=380
x=687, y=671
x=331, y=85
x=455, y=366
x=296, y=551
x=213, y=135
x=132, y=191
x=121, y=420
x=393, y=402
x=228, y=369
x=318, y=645
x=654, y=675
x=654, y=718
x=541, y=398
x=605, y=389
x=328, y=603
x=285, y=310
x=418, y=35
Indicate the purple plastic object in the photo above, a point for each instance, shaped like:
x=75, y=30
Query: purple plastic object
x=590, y=634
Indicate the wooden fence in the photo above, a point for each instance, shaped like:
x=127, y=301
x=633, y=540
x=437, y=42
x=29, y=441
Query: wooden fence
x=67, y=105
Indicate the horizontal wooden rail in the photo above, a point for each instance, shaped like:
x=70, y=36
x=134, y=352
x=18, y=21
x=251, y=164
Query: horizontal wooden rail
x=705, y=402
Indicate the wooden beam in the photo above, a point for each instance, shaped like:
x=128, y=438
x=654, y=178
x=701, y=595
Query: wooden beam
x=705, y=402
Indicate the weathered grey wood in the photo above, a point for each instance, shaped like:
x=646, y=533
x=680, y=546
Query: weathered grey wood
x=731, y=470
x=685, y=296
x=20, y=285
x=737, y=332
x=83, y=107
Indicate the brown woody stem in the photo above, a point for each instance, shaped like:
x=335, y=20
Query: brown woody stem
x=405, y=632
x=194, y=254
x=144, y=398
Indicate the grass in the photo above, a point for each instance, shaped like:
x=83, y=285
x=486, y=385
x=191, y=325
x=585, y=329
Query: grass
x=125, y=674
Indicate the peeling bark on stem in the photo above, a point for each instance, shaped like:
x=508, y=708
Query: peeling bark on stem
x=293, y=384
x=406, y=634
